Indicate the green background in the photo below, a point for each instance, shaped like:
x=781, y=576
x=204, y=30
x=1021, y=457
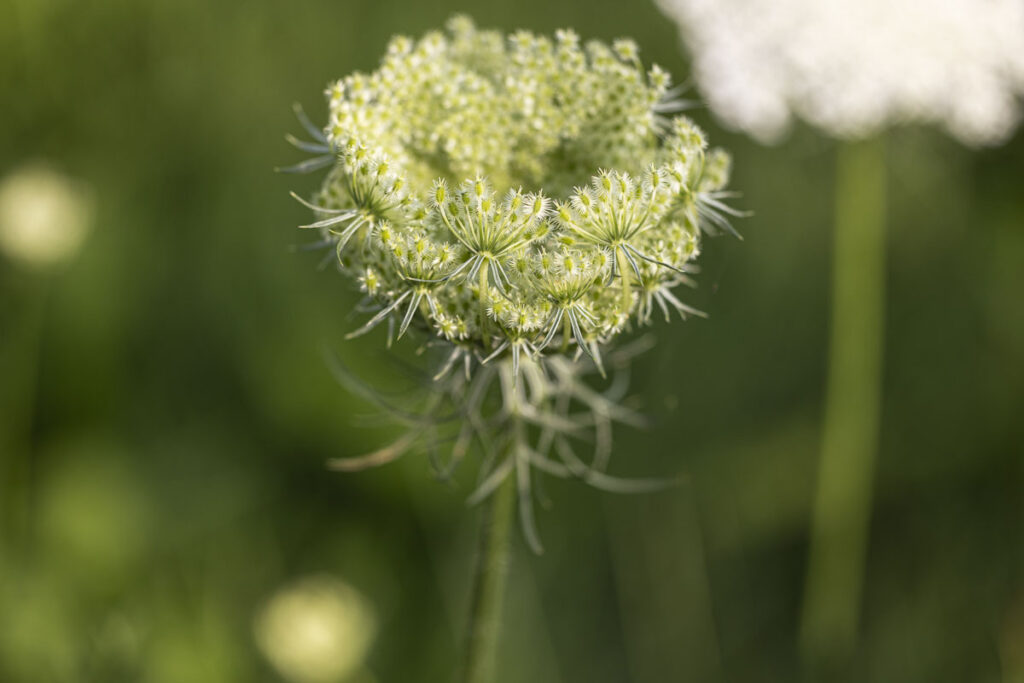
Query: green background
x=167, y=412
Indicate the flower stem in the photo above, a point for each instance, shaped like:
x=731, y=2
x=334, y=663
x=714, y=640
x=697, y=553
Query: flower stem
x=842, y=506
x=623, y=265
x=16, y=470
x=483, y=303
x=489, y=586
x=566, y=332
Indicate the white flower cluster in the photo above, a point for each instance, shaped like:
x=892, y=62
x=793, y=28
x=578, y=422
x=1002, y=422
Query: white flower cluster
x=854, y=67
x=516, y=194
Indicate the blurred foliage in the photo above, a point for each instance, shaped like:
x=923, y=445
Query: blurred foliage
x=166, y=410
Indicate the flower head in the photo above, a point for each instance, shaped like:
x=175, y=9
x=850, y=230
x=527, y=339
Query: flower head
x=468, y=152
x=854, y=68
x=520, y=200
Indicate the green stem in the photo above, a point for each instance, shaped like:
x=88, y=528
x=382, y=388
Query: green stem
x=18, y=402
x=566, y=331
x=489, y=580
x=624, y=273
x=425, y=306
x=842, y=506
x=483, y=303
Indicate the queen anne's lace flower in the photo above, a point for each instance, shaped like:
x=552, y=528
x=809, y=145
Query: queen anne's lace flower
x=521, y=200
x=855, y=67
x=460, y=187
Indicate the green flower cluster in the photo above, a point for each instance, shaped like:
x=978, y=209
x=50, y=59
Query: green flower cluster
x=518, y=194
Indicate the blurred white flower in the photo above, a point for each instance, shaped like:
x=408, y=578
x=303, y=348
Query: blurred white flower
x=854, y=67
x=44, y=216
x=317, y=630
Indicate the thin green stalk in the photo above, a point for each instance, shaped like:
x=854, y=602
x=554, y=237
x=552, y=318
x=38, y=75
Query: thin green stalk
x=18, y=398
x=483, y=303
x=623, y=265
x=489, y=580
x=842, y=506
